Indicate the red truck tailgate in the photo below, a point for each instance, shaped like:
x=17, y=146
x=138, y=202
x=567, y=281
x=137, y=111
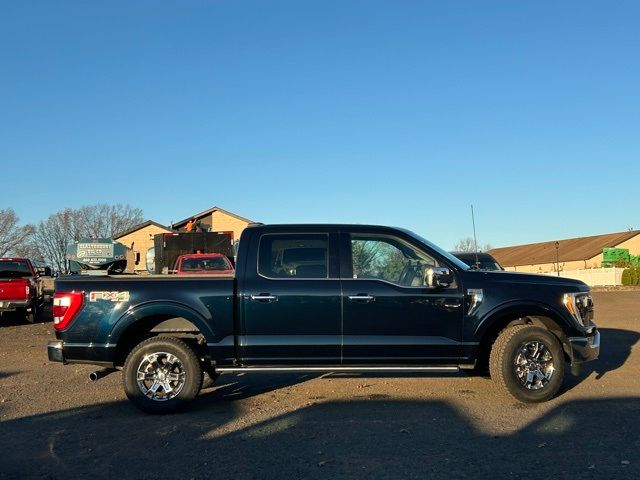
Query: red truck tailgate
x=14, y=289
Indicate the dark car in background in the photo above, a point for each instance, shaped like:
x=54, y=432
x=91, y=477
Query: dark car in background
x=479, y=261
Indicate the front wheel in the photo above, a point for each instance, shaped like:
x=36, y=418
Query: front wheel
x=527, y=362
x=162, y=375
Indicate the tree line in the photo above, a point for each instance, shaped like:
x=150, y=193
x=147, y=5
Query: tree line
x=47, y=240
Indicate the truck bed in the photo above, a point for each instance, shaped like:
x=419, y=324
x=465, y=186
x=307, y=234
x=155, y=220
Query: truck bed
x=115, y=303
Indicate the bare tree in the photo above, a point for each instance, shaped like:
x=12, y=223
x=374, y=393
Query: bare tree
x=58, y=231
x=468, y=245
x=11, y=234
x=28, y=249
x=104, y=221
x=54, y=234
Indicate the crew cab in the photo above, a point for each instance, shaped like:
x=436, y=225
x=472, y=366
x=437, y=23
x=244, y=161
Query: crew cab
x=203, y=264
x=326, y=298
x=20, y=289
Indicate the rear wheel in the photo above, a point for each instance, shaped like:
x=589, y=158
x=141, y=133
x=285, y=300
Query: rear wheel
x=162, y=375
x=528, y=363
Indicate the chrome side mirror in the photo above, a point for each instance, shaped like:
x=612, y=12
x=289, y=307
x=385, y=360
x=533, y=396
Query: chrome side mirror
x=438, y=277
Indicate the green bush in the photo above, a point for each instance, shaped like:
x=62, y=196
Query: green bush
x=631, y=276
x=626, y=276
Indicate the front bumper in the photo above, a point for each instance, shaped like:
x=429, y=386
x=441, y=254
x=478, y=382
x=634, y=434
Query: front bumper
x=55, y=350
x=585, y=349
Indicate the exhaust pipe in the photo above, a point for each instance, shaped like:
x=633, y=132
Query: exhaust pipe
x=98, y=374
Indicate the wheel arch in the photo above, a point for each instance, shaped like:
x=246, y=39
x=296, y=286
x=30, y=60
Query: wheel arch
x=518, y=314
x=157, y=318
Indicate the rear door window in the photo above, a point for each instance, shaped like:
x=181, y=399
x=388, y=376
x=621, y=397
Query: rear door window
x=294, y=255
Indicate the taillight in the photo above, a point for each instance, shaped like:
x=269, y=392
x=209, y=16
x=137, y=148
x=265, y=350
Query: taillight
x=65, y=306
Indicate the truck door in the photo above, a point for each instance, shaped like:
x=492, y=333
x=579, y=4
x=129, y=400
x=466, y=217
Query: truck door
x=290, y=305
x=390, y=316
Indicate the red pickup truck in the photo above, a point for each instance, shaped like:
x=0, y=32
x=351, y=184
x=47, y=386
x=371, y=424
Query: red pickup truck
x=20, y=288
x=203, y=264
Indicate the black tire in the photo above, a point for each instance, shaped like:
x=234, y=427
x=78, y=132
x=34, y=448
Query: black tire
x=158, y=360
x=32, y=316
x=516, y=370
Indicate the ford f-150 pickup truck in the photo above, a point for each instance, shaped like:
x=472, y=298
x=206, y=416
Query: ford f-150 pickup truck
x=326, y=298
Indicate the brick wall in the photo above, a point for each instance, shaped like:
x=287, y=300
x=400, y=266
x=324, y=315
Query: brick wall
x=140, y=241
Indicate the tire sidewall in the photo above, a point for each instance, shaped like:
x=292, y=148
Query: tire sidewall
x=190, y=362
x=513, y=384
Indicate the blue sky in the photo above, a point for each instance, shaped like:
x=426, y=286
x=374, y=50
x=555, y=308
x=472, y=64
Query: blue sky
x=388, y=112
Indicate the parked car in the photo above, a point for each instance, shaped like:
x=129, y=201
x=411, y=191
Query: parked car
x=20, y=287
x=480, y=260
x=326, y=298
x=203, y=264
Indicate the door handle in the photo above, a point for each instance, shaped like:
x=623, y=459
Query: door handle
x=452, y=305
x=264, y=297
x=361, y=298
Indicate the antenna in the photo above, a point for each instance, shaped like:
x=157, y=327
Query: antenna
x=475, y=240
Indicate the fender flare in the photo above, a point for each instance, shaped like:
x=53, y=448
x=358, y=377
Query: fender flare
x=517, y=308
x=164, y=308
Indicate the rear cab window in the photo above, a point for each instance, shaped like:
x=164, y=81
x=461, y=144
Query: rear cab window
x=14, y=268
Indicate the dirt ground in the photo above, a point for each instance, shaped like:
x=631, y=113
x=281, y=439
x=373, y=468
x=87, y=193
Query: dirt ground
x=54, y=423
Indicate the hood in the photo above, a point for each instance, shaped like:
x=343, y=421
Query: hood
x=498, y=276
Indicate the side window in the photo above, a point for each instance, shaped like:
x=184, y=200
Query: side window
x=389, y=259
x=294, y=255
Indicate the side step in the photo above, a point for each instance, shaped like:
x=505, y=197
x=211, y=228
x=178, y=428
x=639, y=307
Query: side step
x=401, y=369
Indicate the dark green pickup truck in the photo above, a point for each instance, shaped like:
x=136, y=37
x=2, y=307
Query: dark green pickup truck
x=326, y=298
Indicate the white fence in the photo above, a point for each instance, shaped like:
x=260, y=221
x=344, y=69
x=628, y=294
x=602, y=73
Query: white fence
x=596, y=276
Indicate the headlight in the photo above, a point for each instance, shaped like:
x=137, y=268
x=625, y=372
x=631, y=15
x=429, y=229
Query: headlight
x=579, y=305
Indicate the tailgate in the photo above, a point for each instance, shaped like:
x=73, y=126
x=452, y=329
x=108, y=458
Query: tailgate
x=14, y=289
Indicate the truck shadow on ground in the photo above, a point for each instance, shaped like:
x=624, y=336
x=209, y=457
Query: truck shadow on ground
x=354, y=439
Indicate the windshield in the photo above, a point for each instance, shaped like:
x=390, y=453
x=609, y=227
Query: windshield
x=14, y=268
x=457, y=262
x=484, y=264
x=207, y=264
x=480, y=261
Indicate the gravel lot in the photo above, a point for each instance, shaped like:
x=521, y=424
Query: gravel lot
x=54, y=423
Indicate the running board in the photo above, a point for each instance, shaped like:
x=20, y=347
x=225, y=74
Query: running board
x=403, y=369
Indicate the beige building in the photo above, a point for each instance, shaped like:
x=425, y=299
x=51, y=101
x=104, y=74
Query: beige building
x=570, y=254
x=140, y=239
x=217, y=219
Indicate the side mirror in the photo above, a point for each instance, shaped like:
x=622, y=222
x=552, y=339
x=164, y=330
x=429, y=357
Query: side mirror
x=438, y=277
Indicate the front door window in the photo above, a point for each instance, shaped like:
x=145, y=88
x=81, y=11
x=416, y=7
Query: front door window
x=389, y=259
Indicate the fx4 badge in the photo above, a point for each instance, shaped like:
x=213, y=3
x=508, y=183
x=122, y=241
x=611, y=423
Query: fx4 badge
x=109, y=296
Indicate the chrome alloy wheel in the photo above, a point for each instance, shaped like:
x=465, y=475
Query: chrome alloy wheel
x=534, y=365
x=161, y=376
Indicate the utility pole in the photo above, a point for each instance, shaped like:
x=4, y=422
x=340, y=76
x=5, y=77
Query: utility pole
x=558, y=257
x=475, y=240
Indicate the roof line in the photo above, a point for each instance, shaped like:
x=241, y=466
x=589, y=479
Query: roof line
x=635, y=232
x=138, y=227
x=211, y=210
